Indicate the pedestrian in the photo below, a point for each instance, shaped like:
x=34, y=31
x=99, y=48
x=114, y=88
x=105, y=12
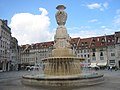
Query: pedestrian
x=110, y=68
x=116, y=68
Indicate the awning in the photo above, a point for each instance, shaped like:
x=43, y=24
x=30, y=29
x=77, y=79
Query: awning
x=102, y=64
x=93, y=65
x=84, y=64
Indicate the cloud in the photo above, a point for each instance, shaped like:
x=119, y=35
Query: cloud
x=116, y=20
x=103, y=27
x=83, y=34
x=87, y=31
x=99, y=6
x=94, y=6
x=29, y=28
x=118, y=11
x=105, y=5
x=93, y=20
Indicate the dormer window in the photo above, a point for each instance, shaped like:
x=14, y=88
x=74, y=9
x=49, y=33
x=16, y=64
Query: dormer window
x=98, y=39
x=103, y=40
x=85, y=42
x=93, y=40
x=93, y=44
x=82, y=43
x=113, y=40
x=109, y=40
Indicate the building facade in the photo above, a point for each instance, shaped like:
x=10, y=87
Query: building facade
x=32, y=54
x=103, y=51
x=117, y=48
x=9, y=49
x=5, y=35
x=100, y=51
x=14, y=54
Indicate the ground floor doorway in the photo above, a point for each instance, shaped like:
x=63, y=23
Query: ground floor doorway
x=119, y=63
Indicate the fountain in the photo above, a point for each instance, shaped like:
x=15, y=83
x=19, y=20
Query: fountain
x=63, y=68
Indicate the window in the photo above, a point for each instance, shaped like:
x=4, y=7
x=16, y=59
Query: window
x=81, y=51
x=98, y=39
x=88, y=55
x=93, y=44
x=88, y=60
x=113, y=40
x=118, y=40
x=101, y=53
x=112, y=61
x=82, y=43
x=81, y=55
x=94, y=50
x=94, y=58
x=101, y=58
x=12, y=51
x=119, y=54
x=93, y=40
x=85, y=42
x=93, y=55
x=103, y=40
x=84, y=55
x=84, y=51
x=87, y=50
x=101, y=49
x=110, y=50
x=112, y=54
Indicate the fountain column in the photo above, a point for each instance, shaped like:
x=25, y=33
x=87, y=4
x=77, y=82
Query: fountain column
x=63, y=59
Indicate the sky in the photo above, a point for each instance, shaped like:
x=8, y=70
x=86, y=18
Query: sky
x=33, y=21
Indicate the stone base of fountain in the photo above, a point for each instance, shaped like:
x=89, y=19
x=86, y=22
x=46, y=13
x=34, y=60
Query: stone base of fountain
x=67, y=81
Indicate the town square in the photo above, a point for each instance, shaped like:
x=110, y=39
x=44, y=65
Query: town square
x=47, y=51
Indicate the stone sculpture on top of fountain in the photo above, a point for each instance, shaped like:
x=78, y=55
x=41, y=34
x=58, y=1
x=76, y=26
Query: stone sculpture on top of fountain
x=62, y=39
x=63, y=60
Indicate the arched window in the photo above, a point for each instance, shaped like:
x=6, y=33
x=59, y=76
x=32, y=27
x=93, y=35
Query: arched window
x=101, y=53
x=93, y=54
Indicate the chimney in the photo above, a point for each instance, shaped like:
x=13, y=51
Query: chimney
x=5, y=21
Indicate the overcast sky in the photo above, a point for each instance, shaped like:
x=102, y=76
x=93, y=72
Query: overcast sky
x=33, y=21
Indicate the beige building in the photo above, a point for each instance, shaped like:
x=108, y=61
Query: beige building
x=32, y=54
x=102, y=51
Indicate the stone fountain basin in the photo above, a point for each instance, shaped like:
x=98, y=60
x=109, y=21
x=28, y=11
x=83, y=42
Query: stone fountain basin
x=71, y=80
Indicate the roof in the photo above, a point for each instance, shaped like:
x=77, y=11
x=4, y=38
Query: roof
x=84, y=43
x=96, y=42
x=92, y=42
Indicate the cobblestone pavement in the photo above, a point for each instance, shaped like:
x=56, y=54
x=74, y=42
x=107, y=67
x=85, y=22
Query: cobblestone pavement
x=12, y=81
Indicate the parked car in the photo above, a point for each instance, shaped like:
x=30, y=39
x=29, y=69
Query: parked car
x=1, y=70
x=29, y=68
